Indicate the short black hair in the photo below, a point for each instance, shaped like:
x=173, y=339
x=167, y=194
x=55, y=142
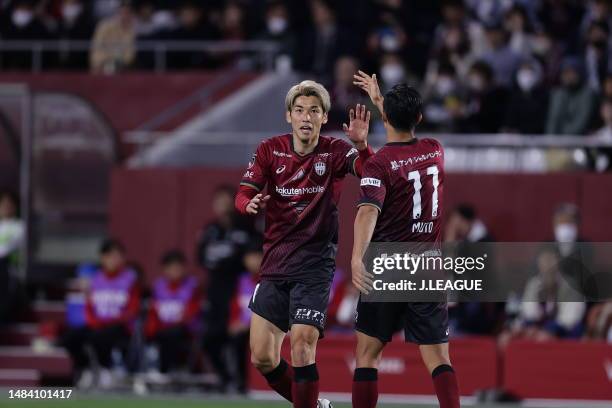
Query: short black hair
x=111, y=244
x=174, y=256
x=403, y=105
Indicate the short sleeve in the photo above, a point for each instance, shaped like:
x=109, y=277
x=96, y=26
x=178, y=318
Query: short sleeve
x=256, y=173
x=372, y=186
x=347, y=157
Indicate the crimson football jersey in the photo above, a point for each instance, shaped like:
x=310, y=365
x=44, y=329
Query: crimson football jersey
x=301, y=235
x=405, y=180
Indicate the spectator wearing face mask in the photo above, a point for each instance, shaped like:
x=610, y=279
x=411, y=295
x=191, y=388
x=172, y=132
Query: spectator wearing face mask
x=443, y=101
x=75, y=24
x=393, y=71
x=528, y=101
x=486, y=102
x=574, y=252
x=388, y=36
x=277, y=29
x=21, y=23
x=573, y=103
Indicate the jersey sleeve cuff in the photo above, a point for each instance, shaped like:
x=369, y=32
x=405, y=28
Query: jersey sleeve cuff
x=370, y=202
x=251, y=184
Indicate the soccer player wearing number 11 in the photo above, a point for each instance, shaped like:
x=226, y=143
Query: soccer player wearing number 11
x=401, y=197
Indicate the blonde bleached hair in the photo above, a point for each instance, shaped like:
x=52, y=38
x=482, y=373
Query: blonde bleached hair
x=308, y=88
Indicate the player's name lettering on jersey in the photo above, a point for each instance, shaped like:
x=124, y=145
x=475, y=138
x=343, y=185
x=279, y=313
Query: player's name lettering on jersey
x=281, y=154
x=397, y=164
x=422, y=227
x=288, y=192
x=370, y=181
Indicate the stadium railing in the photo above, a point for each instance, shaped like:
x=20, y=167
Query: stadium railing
x=509, y=153
x=263, y=52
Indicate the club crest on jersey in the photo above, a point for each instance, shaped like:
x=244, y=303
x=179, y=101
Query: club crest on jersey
x=252, y=162
x=320, y=168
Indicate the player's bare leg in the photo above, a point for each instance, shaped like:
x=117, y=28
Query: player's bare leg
x=306, y=377
x=265, y=342
x=437, y=360
x=365, y=380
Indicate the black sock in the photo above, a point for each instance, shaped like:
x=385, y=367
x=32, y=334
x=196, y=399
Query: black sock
x=306, y=373
x=276, y=374
x=365, y=374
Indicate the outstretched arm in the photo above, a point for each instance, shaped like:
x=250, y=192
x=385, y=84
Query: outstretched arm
x=370, y=85
x=365, y=221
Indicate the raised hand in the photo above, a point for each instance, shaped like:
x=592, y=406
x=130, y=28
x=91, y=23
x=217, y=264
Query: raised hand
x=359, y=124
x=258, y=202
x=370, y=85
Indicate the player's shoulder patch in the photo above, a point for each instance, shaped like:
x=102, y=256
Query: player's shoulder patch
x=370, y=181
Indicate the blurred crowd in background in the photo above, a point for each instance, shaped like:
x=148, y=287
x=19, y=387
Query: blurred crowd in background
x=484, y=66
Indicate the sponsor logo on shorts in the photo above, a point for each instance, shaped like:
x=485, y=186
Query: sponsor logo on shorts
x=255, y=291
x=369, y=181
x=310, y=315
